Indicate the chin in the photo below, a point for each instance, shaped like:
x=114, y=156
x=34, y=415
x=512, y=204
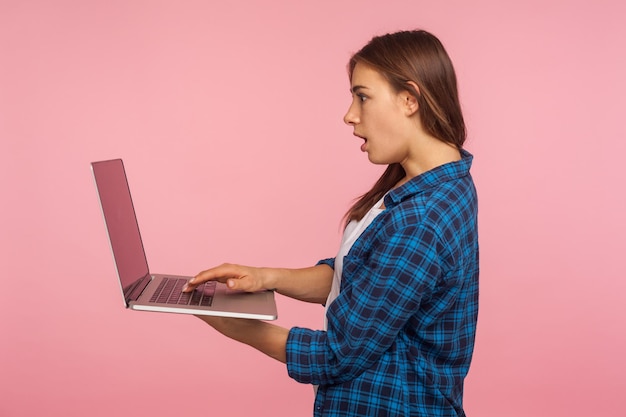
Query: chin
x=377, y=161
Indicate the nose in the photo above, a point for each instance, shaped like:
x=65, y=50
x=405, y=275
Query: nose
x=351, y=118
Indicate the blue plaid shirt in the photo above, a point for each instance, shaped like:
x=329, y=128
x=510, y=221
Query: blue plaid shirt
x=401, y=332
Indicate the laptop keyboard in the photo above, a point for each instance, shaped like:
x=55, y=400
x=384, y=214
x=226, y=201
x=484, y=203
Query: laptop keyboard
x=169, y=291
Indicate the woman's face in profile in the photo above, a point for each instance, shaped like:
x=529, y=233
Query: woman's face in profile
x=379, y=116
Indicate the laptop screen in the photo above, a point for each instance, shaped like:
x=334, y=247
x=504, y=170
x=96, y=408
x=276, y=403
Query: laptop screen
x=121, y=223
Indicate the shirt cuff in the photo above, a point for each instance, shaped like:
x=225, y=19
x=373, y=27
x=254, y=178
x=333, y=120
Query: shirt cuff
x=301, y=345
x=330, y=262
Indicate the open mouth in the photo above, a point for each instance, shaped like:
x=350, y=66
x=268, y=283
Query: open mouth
x=363, y=146
x=359, y=136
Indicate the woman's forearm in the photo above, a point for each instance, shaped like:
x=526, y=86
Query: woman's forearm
x=306, y=284
x=265, y=337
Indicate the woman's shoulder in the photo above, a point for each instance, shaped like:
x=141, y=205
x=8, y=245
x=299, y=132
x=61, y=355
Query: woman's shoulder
x=435, y=207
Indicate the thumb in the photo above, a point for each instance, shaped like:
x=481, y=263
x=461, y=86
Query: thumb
x=244, y=283
x=232, y=283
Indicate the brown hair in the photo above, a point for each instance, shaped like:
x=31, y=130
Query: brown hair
x=416, y=56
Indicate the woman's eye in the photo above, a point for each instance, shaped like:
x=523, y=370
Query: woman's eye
x=362, y=98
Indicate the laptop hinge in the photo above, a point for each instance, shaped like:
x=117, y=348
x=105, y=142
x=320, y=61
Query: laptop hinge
x=137, y=287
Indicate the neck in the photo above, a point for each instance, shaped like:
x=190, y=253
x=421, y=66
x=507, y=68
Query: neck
x=431, y=154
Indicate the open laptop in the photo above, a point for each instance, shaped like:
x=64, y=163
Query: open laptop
x=143, y=290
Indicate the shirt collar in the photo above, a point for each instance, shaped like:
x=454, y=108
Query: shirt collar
x=430, y=179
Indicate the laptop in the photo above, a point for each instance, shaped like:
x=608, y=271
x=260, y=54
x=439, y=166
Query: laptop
x=145, y=291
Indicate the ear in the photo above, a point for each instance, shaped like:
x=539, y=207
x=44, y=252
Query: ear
x=409, y=99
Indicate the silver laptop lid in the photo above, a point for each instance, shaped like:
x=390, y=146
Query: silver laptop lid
x=121, y=223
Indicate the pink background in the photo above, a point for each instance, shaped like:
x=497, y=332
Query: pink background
x=228, y=116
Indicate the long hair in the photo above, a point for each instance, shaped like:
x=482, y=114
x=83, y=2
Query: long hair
x=416, y=56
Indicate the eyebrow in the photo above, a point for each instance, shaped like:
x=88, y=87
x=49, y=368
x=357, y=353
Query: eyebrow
x=356, y=88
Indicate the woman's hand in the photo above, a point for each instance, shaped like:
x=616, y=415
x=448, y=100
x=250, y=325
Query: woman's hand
x=236, y=277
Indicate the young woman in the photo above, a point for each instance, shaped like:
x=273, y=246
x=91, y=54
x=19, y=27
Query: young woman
x=401, y=295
